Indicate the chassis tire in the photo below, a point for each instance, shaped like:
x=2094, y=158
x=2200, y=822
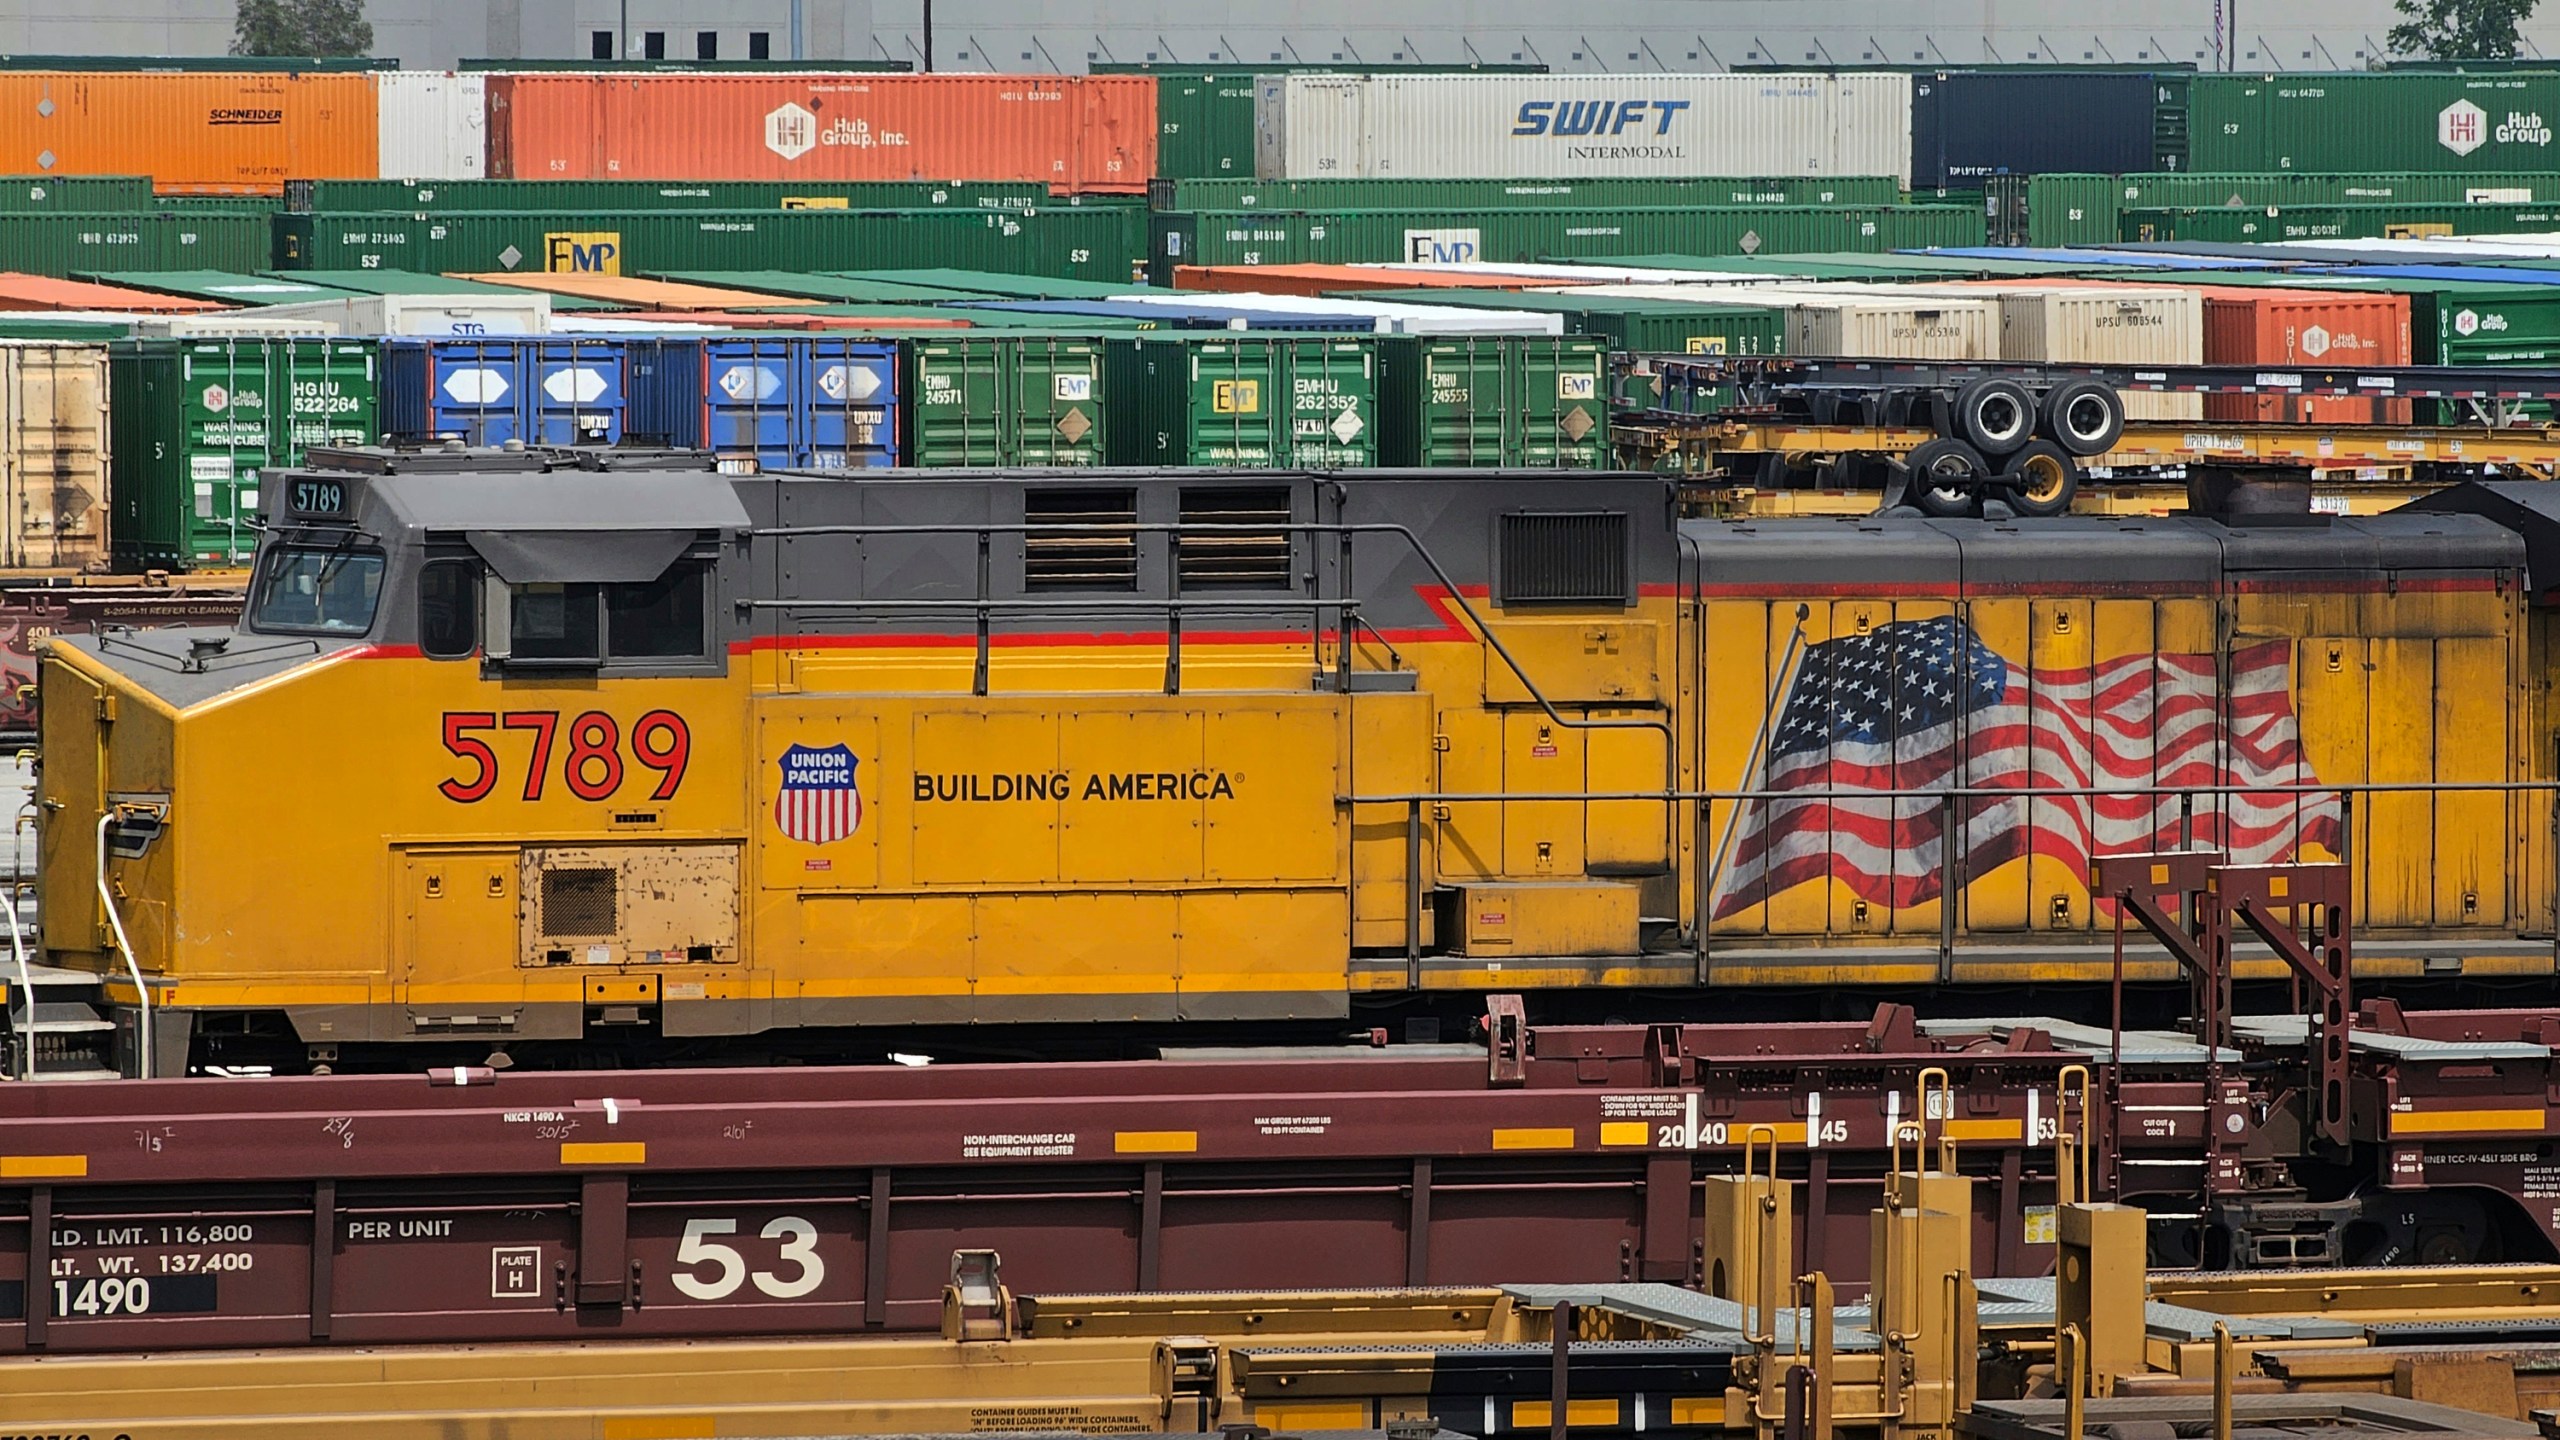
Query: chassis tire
x=1997, y=417
x=1946, y=477
x=2083, y=417
x=2047, y=480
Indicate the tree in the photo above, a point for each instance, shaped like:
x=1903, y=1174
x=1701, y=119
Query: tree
x=2460, y=29
x=302, y=27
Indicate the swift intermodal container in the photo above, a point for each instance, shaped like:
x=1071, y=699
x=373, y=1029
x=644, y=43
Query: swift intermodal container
x=1072, y=133
x=1416, y=127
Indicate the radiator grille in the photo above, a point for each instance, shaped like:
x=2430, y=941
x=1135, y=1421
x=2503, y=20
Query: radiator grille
x=1565, y=557
x=581, y=902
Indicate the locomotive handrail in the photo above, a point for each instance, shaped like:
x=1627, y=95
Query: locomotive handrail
x=132, y=965
x=1105, y=604
x=26, y=1056
x=1705, y=873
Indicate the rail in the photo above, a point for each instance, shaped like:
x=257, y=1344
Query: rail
x=1174, y=604
x=1706, y=867
x=132, y=965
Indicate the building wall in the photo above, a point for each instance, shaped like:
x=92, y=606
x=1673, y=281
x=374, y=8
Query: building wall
x=1614, y=35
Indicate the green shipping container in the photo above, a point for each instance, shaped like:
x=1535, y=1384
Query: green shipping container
x=2073, y=209
x=2277, y=224
x=96, y=194
x=1296, y=237
x=1006, y=400
x=1096, y=244
x=1629, y=326
x=79, y=242
x=1204, y=115
x=199, y=423
x=1280, y=401
x=2430, y=122
x=447, y=197
x=1348, y=194
x=1477, y=401
x=227, y=287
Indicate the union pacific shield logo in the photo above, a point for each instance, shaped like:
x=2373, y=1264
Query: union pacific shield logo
x=818, y=803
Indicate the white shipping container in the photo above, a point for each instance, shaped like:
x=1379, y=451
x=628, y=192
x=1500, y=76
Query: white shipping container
x=435, y=124
x=472, y=314
x=1385, y=317
x=1878, y=323
x=1564, y=275
x=53, y=461
x=1418, y=127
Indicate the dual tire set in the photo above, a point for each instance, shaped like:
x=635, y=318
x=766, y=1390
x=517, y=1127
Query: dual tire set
x=1999, y=437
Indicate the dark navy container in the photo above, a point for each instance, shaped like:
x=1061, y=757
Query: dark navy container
x=1969, y=125
x=798, y=401
x=540, y=390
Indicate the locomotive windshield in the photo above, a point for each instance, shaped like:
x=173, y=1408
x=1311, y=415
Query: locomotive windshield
x=305, y=590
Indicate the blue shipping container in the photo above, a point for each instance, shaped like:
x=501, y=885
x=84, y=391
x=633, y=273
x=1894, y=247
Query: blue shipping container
x=2460, y=274
x=542, y=391
x=812, y=402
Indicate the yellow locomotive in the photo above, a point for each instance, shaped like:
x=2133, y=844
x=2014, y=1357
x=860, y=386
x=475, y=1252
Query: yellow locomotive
x=508, y=751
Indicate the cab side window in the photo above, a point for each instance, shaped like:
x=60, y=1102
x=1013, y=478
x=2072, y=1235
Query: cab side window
x=449, y=609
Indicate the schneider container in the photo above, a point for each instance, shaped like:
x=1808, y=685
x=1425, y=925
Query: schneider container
x=1283, y=401
x=199, y=422
x=219, y=132
x=1018, y=399
x=2247, y=326
x=1416, y=127
x=1073, y=133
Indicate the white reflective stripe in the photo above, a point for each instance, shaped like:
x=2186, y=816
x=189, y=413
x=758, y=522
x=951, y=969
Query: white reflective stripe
x=1689, y=1121
x=1813, y=1121
x=612, y=1111
x=2035, y=1112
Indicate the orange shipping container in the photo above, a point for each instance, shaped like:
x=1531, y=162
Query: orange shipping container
x=202, y=133
x=44, y=292
x=1074, y=134
x=2244, y=325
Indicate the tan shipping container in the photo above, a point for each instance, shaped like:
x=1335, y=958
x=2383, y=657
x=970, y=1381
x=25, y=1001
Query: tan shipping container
x=1881, y=322
x=53, y=456
x=198, y=133
x=2100, y=323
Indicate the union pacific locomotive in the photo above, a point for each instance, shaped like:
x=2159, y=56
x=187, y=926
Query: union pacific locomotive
x=510, y=751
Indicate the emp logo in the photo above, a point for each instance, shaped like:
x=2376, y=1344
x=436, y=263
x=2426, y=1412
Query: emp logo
x=2462, y=127
x=583, y=252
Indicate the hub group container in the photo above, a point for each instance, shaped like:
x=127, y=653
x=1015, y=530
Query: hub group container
x=1247, y=400
x=1096, y=244
x=2245, y=326
x=816, y=402
x=219, y=132
x=444, y=197
x=1015, y=399
x=2375, y=122
x=1967, y=125
x=198, y=423
x=560, y=390
x=1473, y=401
x=1416, y=127
x=1075, y=133
x=1301, y=237
x=434, y=124
x=53, y=456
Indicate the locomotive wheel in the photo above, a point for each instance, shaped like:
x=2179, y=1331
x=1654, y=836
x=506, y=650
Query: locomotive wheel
x=2049, y=478
x=2083, y=417
x=1997, y=416
x=1946, y=477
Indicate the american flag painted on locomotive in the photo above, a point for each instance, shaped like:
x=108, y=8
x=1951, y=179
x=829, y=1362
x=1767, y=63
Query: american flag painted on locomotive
x=1926, y=704
x=818, y=803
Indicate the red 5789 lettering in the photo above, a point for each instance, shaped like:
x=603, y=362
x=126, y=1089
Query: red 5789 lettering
x=584, y=754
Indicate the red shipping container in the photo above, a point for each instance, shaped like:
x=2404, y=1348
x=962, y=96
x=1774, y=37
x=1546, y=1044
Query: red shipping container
x=1076, y=134
x=2244, y=325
